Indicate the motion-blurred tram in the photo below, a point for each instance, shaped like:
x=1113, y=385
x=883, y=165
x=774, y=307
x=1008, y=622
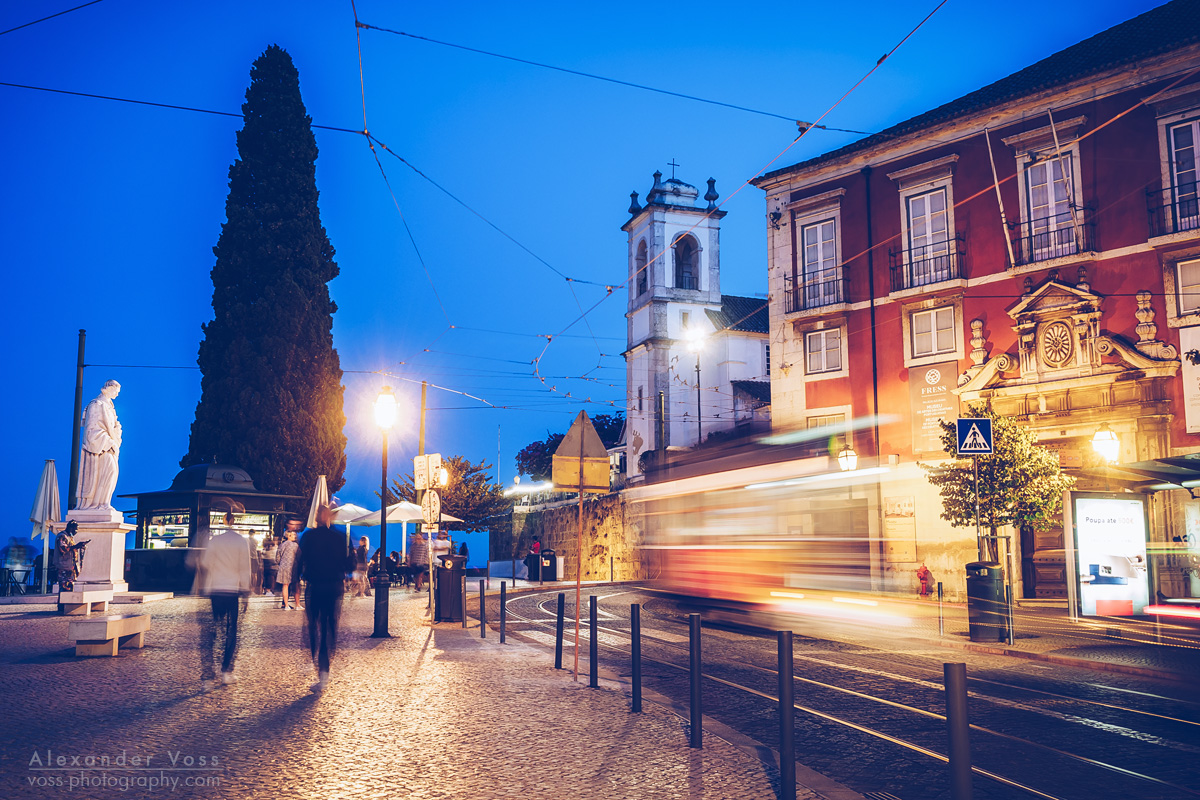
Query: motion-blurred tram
x=765, y=524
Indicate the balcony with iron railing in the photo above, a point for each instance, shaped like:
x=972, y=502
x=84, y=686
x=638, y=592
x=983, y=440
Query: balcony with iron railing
x=1057, y=236
x=1173, y=210
x=927, y=264
x=687, y=281
x=812, y=291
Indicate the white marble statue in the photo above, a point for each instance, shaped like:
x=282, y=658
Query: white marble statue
x=100, y=450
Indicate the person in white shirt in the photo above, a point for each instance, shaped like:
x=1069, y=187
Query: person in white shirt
x=223, y=575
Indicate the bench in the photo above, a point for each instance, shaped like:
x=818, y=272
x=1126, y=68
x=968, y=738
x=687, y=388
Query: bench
x=84, y=603
x=102, y=636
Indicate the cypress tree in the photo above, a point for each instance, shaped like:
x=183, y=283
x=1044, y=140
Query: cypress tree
x=271, y=391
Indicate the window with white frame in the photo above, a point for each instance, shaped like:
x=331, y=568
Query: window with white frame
x=1182, y=140
x=766, y=359
x=823, y=351
x=819, y=264
x=1188, y=274
x=932, y=331
x=928, y=238
x=1050, y=227
x=826, y=420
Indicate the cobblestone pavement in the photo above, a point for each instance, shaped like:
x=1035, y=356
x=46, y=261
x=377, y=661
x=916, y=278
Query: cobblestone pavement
x=431, y=713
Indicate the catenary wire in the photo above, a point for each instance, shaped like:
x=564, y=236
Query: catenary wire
x=52, y=16
x=601, y=77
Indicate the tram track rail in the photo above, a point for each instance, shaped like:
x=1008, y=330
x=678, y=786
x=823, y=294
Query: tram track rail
x=648, y=636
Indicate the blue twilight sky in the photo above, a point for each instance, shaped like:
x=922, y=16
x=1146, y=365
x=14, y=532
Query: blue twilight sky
x=110, y=210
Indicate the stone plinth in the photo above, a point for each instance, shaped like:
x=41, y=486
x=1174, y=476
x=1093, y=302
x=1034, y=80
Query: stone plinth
x=104, y=561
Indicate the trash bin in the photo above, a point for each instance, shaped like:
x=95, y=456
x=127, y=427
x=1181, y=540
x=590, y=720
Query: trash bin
x=448, y=605
x=986, y=610
x=549, y=566
x=531, y=567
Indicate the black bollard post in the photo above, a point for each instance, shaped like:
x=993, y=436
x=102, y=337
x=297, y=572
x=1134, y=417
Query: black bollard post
x=787, y=722
x=635, y=633
x=503, y=610
x=558, y=631
x=482, y=613
x=593, y=644
x=462, y=600
x=958, y=727
x=697, y=732
x=941, y=619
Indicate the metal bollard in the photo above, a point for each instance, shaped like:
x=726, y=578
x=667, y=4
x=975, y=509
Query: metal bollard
x=558, y=631
x=593, y=644
x=957, y=727
x=787, y=721
x=503, y=610
x=612, y=570
x=463, y=600
x=635, y=633
x=697, y=732
x=482, y=613
x=941, y=619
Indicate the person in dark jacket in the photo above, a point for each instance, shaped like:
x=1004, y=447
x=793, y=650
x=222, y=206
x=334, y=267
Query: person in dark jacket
x=325, y=557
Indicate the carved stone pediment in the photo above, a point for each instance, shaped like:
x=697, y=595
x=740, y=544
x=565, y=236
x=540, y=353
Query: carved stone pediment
x=1059, y=340
x=1057, y=327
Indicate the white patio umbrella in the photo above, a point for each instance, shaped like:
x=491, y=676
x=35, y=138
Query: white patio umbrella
x=402, y=512
x=320, y=498
x=348, y=514
x=46, y=510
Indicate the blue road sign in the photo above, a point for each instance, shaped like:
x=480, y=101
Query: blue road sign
x=974, y=436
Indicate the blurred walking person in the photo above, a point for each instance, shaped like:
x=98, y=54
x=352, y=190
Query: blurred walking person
x=287, y=574
x=418, y=558
x=223, y=575
x=325, y=556
x=362, y=567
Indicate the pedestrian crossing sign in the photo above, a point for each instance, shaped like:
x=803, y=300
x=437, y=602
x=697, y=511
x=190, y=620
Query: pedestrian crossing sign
x=974, y=436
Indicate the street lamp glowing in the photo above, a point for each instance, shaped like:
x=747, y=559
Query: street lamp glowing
x=1106, y=443
x=847, y=459
x=694, y=338
x=443, y=477
x=385, y=409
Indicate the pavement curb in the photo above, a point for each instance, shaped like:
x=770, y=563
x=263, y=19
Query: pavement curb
x=1069, y=661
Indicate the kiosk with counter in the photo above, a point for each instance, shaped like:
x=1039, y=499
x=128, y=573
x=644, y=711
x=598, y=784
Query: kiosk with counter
x=172, y=521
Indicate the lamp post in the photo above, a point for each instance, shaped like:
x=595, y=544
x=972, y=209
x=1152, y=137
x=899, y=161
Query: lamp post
x=695, y=343
x=385, y=418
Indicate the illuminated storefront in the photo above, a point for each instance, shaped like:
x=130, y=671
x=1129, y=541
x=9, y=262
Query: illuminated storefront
x=173, y=521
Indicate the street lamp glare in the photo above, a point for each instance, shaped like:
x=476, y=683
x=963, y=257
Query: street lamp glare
x=385, y=409
x=1106, y=443
x=847, y=459
x=443, y=477
x=695, y=338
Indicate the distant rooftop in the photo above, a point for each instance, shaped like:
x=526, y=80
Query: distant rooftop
x=737, y=313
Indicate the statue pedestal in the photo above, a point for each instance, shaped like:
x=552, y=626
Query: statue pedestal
x=104, y=560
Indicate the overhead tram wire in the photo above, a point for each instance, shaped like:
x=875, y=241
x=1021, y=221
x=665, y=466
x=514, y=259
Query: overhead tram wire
x=52, y=16
x=617, y=81
x=763, y=169
x=157, y=105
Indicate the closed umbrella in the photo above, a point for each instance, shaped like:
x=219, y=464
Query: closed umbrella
x=46, y=510
x=320, y=498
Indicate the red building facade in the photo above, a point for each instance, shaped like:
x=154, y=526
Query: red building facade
x=1035, y=245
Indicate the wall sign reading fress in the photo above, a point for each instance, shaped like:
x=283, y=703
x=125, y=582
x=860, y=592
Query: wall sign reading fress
x=931, y=400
